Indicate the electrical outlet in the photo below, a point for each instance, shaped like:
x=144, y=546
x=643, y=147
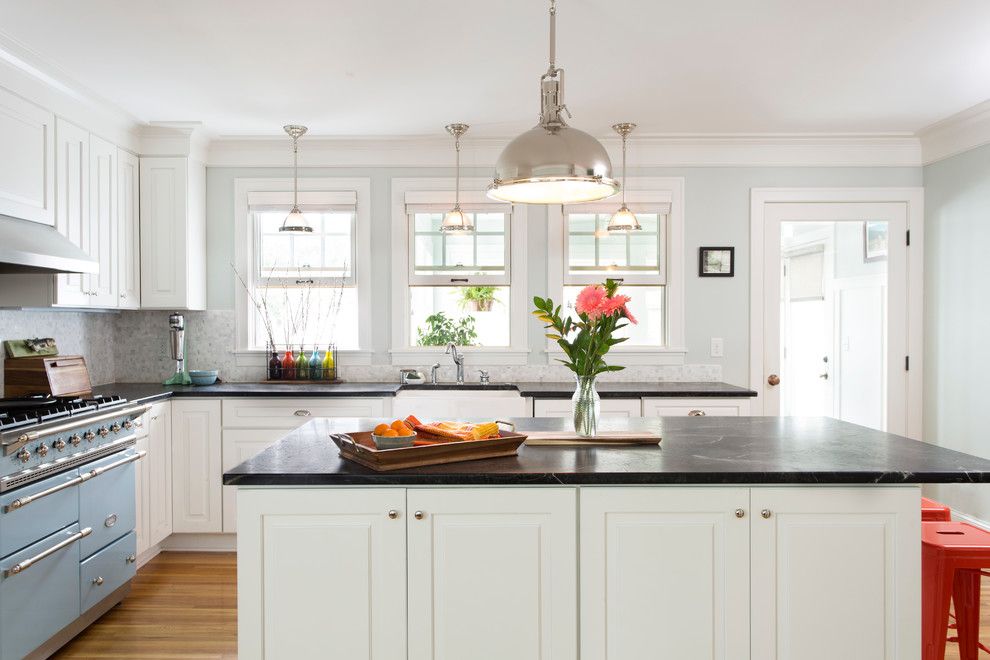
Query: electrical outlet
x=718, y=347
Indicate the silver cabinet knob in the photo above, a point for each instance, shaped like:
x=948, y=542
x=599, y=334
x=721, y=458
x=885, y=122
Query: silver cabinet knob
x=59, y=444
x=98, y=580
x=393, y=514
x=419, y=515
x=696, y=413
x=75, y=439
x=42, y=449
x=765, y=513
x=24, y=455
x=740, y=513
x=111, y=520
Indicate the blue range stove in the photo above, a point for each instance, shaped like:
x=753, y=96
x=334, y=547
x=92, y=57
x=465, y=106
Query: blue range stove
x=67, y=516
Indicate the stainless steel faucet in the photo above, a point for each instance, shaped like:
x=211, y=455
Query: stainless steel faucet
x=458, y=361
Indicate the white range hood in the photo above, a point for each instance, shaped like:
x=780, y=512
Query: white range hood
x=29, y=247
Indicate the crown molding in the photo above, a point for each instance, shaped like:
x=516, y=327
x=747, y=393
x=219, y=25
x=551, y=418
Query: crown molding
x=955, y=134
x=806, y=150
x=174, y=138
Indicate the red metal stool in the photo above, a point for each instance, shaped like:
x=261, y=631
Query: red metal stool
x=952, y=556
x=932, y=511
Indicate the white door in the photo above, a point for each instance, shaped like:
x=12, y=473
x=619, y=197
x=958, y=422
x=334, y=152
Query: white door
x=196, y=474
x=492, y=574
x=128, y=234
x=835, y=327
x=835, y=573
x=72, y=206
x=103, y=221
x=159, y=462
x=664, y=573
x=321, y=573
x=27, y=184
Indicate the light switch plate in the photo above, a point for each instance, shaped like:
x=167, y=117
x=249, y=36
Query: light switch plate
x=718, y=347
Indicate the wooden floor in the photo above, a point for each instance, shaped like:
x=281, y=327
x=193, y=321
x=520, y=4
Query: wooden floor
x=182, y=605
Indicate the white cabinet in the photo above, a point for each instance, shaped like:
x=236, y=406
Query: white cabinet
x=322, y=573
x=27, y=168
x=160, y=472
x=431, y=405
x=610, y=408
x=173, y=233
x=101, y=232
x=72, y=204
x=238, y=446
x=664, y=573
x=492, y=573
x=196, y=461
x=128, y=233
x=666, y=407
x=142, y=494
x=835, y=573
x=253, y=413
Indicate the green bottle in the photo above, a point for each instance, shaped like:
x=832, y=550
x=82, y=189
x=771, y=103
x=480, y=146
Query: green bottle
x=302, y=366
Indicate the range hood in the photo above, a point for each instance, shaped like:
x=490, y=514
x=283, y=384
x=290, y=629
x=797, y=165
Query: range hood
x=29, y=247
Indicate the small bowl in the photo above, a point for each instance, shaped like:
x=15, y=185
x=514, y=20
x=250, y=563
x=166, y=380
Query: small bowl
x=204, y=377
x=387, y=442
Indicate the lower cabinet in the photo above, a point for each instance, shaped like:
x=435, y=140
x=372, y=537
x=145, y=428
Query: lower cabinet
x=665, y=407
x=610, y=408
x=196, y=473
x=459, y=404
x=153, y=477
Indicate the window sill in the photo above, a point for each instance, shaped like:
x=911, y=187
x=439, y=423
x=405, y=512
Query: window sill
x=636, y=357
x=417, y=356
x=257, y=357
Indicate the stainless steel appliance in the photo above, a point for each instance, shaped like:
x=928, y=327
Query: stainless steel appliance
x=31, y=247
x=67, y=517
x=177, y=349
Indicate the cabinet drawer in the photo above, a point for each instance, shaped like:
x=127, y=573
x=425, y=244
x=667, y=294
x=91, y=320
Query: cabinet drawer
x=459, y=405
x=106, y=570
x=107, y=502
x=610, y=408
x=254, y=413
x=49, y=513
x=663, y=407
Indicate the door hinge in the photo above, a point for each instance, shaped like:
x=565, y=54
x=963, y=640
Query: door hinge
x=908, y=238
x=907, y=363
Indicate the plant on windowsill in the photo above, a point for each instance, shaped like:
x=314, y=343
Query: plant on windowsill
x=601, y=310
x=442, y=330
x=478, y=298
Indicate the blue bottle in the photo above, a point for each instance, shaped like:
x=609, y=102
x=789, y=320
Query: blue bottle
x=315, y=366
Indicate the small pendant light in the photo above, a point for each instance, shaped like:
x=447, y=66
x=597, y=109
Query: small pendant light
x=623, y=219
x=455, y=220
x=295, y=222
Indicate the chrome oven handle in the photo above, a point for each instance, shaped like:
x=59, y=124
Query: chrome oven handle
x=116, y=464
x=22, y=502
x=30, y=436
x=22, y=566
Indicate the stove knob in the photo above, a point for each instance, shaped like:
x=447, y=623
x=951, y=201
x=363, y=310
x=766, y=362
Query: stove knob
x=24, y=455
x=89, y=435
x=104, y=431
x=75, y=439
x=115, y=428
x=128, y=424
x=42, y=450
x=59, y=444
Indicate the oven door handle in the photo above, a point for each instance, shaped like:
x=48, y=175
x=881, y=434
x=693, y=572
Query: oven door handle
x=95, y=472
x=22, y=502
x=22, y=566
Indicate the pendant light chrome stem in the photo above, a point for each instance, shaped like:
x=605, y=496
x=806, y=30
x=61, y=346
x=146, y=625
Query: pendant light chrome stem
x=295, y=222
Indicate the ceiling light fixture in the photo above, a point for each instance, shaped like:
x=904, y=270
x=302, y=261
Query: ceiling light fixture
x=553, y=163
x=295, y=222
x=455, y=220
x=623, y=219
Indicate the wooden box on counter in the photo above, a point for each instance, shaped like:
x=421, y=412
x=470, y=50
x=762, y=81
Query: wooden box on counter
x=59, y=375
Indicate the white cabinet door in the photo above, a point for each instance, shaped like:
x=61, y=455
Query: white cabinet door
x=664, y=407
x=196, y=459
x=492, y=574
x=321, y=573
x=27, y=168
x=835, y=573
x=288, y=413
x=238, y=446
x=128, y=234
x=142, y=495
x=610, y=408
x=664, y=573
x=102, y=229
x=72, y=204
x=459, y=404
x=160, y=472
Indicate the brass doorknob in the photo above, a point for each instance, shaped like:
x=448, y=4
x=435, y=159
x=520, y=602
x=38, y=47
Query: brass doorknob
x=773, y=380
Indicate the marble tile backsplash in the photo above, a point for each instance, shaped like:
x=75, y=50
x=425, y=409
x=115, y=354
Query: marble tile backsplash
x=133, y=347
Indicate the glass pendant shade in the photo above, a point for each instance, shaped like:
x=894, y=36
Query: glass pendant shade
x=623, y=220
x=295, y=222
x=456, y=220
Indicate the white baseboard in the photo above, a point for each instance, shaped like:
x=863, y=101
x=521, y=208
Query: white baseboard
x=200, y=543
x=148, y=555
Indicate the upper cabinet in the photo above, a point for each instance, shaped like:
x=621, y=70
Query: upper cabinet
x=173, y=233
x=72, y=203
x=102, y=229
x=128, y=231
x=27, y=181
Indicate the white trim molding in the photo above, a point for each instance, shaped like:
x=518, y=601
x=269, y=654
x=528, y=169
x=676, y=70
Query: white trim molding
x=953, y=135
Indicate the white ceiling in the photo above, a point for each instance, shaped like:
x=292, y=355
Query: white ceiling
x=407, y=67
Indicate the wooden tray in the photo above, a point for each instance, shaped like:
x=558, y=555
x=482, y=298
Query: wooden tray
x=360, y=448
x=603, y=439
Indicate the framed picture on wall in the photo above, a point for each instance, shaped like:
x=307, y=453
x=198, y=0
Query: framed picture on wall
x=716, y=262
x=874, y=241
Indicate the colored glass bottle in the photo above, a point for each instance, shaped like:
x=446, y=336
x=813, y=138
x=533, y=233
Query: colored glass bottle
x=302, y=366
x=274, y=365
x=315, y=365
x=288, y=366
x=329, y=368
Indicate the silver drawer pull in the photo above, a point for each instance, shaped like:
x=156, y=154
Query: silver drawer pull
x=111, y=520
x=106, y=468
x=98, y=580
x=22, y=566
x=131, y=558
x=22, y=502
x=302, y=413
x=696, y=413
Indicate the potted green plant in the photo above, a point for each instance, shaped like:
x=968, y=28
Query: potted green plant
x=442, y=330
x=478, y=298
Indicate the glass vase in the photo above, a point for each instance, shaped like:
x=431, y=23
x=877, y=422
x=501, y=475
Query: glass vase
x=587, y=407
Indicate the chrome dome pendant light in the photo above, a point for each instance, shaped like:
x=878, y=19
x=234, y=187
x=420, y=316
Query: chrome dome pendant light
x=295, y=222
x=553, y=163
x=623, y=219
x=455, y=220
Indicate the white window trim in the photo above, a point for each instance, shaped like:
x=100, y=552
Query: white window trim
x=244, y=356
x=441, y=190
x=662, y=190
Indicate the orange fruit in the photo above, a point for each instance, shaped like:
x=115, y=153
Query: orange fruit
x=399, y=427
x=389, y=433
x=380, y=429
x=407, y=431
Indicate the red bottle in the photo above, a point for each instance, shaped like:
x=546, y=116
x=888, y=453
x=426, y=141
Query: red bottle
x=288, y=366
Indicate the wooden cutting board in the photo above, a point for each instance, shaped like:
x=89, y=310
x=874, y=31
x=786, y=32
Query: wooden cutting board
x=604, y=438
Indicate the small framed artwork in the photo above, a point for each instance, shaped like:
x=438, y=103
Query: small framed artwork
x=874, y=241
x=716, y=262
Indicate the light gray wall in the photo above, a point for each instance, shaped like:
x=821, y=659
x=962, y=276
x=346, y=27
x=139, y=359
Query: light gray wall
x=717, y=201
x=957, y=315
